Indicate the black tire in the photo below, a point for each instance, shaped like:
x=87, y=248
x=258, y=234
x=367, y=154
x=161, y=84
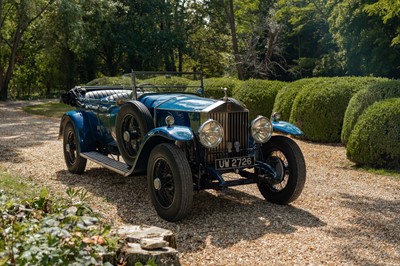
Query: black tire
x=75, y=163
x=170, y=182
x=285, y=156
x=133, y=122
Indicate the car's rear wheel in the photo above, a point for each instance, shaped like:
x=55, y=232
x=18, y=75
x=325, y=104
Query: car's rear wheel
x=75, y=163
x=170, y=182
x=133, y=122
x=286, y=158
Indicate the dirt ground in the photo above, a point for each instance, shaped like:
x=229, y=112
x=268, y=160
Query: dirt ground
x=343, y=217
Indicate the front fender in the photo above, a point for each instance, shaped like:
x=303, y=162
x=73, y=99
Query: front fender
x=287, y=128
x=81, y=123
x=177, y=133
x=157, y=136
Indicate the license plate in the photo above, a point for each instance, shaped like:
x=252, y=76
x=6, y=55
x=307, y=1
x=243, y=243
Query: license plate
x=239, y=162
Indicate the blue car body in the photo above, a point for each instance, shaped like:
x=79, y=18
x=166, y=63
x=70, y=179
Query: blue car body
x=96, y=134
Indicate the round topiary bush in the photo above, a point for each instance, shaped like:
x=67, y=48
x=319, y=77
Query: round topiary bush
x=363, y=99
x=258, y=95
x=320, y=106
x=286, y=96
x=214, y=87
x=375, y=139
x=284, y=101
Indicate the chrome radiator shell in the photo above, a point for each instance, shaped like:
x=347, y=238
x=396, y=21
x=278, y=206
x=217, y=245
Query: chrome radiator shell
x=234, y=119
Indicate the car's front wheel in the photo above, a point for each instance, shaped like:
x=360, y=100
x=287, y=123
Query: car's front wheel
x=75, y=163
x=286, y=158
x=170, y=182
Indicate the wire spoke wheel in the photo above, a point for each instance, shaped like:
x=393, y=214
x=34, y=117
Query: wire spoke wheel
x=131, y=134
x=286, y=158
x=166, y=190
x=279, y=162
x=133, y=122
x=71, y=147
x=75, y=163
x=170, y=181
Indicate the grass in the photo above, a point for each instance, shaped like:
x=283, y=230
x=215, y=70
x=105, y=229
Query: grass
x=48, y=109
x=16, y=186
x=385, y=172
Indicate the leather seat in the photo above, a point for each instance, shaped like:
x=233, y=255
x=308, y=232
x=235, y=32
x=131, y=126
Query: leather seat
x=104, y=93
x=116, y=96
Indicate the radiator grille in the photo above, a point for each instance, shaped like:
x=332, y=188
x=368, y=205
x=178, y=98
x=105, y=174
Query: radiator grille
x=235, y=125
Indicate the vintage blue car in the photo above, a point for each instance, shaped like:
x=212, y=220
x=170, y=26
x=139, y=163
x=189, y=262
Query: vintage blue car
x=183, y=141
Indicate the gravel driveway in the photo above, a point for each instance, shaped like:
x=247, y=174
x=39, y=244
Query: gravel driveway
x=344, y=216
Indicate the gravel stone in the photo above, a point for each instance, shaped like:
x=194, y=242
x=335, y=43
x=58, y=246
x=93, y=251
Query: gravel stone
x=343, y=217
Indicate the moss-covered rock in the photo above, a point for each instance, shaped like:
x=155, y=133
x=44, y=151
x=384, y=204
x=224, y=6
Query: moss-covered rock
x=375, y=139
x=363, y=99
x=258, y=95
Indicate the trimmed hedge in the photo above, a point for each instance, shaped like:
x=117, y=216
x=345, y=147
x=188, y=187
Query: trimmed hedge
x=375, y=139
x=214, y=86
x=284, y=101
x=286, y=96
x=104, y=81
x=258, y=95
x=363, y=99
x=171, y=81
x=320, y=106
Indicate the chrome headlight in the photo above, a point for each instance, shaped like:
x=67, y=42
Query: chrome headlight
x=261, y=129
x=210, y=133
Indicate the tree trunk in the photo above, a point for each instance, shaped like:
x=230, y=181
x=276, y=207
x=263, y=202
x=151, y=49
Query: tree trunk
x=231, y=17
x=4, y=92
x=11, y=62
x=22, y=24
x=180, y=60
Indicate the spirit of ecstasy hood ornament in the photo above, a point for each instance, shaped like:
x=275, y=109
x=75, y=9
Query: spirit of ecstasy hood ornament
x=226, y=94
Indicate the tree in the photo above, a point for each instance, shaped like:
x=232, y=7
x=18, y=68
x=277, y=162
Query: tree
x=208, y=40
x=389, y=11
x=230, y=14
x=263, y=57
x=16, y=17
x=308, y=45
x=364, y=41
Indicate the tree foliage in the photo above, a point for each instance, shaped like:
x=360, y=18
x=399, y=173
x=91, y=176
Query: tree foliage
x=51, y=45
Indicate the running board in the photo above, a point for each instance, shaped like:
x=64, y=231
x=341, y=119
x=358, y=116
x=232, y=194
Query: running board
x=113, y=165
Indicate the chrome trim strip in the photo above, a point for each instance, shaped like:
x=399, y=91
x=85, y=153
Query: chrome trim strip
x=213, y=106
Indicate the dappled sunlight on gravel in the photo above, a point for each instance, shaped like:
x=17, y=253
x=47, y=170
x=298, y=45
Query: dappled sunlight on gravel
x=344, y=216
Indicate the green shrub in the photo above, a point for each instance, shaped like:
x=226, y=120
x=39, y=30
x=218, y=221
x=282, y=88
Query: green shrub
x=363, y=99
x=285, y=98
x=42, y=231
x=258, y=95
x=320, y=106
x=214, y=86
x=284, y=101
x=178, y=82
x=375, y=139
x=105, y=81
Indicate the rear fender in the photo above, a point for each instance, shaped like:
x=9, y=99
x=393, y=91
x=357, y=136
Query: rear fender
x=157, y=136
x=286, y=128
x=80, y=120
